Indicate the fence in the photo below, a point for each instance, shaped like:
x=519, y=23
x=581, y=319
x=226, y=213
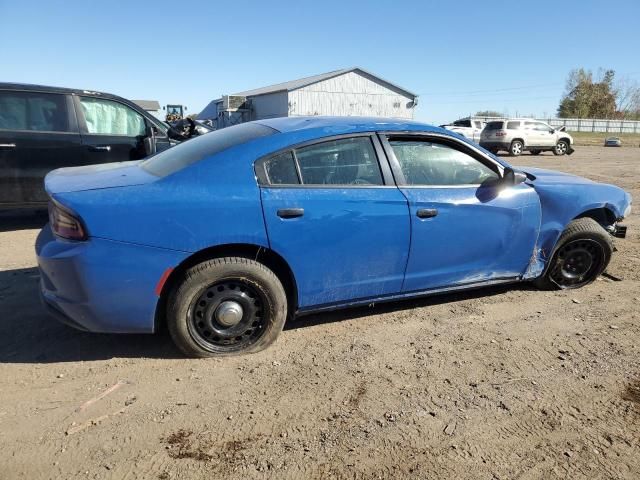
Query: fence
x=594, y=125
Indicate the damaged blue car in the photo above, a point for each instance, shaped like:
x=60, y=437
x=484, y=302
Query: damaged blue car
x=226, y=236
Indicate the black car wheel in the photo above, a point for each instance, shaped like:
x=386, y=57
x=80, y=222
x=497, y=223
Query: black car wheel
x=561, y=148
x=581, y=255
x=516, y=148
x=226, y=306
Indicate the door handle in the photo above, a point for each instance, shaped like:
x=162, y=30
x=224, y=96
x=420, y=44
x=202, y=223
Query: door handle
x=290, y=212
x=426, y=212
x=7, y=145
x=100, y=148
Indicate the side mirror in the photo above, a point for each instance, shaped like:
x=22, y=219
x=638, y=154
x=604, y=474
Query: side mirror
x=150, y=141
x=512, y=177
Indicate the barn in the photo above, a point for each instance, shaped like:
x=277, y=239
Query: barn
x=346, y=92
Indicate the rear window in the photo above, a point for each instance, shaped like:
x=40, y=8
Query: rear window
x=192, y=151
x=35, y=111
x=494, y=125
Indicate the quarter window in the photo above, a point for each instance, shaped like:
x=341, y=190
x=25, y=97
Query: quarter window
x=435, y=164
x=42, y=112
x=513, y=125
x=281, y=170
x=350, y=161
x=105, y=117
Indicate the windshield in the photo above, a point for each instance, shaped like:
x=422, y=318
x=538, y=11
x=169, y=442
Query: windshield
x=192, y=151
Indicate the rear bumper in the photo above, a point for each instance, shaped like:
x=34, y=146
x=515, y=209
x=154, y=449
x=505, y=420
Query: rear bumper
x=101, y=285
x=490, y=145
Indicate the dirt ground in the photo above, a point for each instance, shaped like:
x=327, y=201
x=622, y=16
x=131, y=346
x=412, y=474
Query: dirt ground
x=498, y=383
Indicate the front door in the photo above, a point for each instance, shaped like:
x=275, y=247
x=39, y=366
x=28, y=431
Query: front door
x=38, y=133
x=333, y=213
x=111, y=131
x=465, y=228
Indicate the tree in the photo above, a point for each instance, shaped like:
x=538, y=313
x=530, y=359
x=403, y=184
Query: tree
x=586, y=98
x=627, y=92
x=488, y=113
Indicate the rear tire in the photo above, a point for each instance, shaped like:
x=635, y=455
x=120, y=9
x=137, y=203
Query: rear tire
x=561, y=148
x=226, y=306
x=516, y=148
x=582, y=253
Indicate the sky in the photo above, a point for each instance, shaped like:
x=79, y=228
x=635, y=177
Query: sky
x=458, y=56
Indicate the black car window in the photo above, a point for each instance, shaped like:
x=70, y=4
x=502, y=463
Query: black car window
x=494, y=126
x=42, y=112
x=435, y=164
x=106, y=117
x=462, y=123
x=349, y=161
x=193, y=150
x=281, y=169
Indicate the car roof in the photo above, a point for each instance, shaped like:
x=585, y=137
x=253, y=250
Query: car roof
x=28, y=87
x=347, y=124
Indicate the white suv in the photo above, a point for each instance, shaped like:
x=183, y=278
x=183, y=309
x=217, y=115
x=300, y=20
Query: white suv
x=468, y=127
x=517, y=135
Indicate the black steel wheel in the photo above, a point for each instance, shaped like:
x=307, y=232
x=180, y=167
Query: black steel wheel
x=582, y=253
x=226, y=306
x=228, y=314
x=576, y=262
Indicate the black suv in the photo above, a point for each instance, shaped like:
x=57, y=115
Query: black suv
x=43, y=128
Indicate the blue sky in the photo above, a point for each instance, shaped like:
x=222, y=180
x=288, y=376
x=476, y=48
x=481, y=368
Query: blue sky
x=459, y=56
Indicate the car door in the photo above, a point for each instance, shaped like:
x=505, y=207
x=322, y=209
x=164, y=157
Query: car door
x=333, y=213
x=545, y=134
x=465, y=227
x=38, y=133
x=111, y=131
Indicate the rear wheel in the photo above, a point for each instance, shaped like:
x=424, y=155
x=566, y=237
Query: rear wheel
x=516, y=148
x=581, y=255
x=561, y=148
x=226, y=306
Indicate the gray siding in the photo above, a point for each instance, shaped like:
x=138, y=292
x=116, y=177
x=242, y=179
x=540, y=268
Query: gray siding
x=348, y=95
x=269, y=106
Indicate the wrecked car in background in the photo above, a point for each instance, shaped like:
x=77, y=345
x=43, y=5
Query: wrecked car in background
x=44, y=128
x=226, y=236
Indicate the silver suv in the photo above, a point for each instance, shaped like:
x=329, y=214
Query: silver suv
x=517, y=135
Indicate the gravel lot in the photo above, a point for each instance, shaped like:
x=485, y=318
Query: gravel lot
x=499, y=383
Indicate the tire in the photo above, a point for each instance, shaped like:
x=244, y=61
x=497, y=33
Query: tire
x=582, y=253
x=561, y=148
x=226, y=306
x=536, y=152
x=516, y=148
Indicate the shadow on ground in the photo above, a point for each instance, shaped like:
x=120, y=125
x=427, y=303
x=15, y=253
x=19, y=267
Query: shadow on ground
x=29, y=335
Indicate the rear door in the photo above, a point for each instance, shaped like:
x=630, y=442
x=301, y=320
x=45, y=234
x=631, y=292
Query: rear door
x=466, y=229
x=38, y=133
x=333, y=213
x=111, y=131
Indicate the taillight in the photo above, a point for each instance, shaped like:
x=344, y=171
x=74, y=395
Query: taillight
x=65, y=223
x=500, y=133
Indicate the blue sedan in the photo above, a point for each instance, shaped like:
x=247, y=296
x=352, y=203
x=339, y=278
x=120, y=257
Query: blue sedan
x=227, y=235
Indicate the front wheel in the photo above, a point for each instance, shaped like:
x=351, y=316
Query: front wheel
x=561, y=148
x=226, y=306
x=516, y=148
x=582, y=253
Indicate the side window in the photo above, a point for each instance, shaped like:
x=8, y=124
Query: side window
x=106, y=117
x=478, y=124
x=42, y=112
x=434, y=164
x=349, y=161
x=281, y=170
x=542, y=127
x=513, y=125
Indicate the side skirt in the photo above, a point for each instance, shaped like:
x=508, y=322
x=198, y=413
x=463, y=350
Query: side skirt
x=404, y=296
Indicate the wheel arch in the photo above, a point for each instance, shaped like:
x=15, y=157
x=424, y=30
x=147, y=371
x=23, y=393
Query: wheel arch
x=271, y=259
x=603, y=215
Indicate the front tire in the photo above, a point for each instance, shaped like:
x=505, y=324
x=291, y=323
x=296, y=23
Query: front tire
x=561, y=148
x=582, y=253
x=226, y=306
x=516, y=148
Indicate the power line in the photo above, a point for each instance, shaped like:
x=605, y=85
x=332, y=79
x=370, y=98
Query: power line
x=496, y=90
x=493, y=100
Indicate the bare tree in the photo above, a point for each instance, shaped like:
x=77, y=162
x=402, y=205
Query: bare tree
x=627, y=92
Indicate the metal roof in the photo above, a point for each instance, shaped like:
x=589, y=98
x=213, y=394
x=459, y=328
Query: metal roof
x=152, y=105
x=306, y=81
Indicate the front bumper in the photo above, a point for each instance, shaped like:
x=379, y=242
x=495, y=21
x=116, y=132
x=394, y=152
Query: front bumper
x=101, y=285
